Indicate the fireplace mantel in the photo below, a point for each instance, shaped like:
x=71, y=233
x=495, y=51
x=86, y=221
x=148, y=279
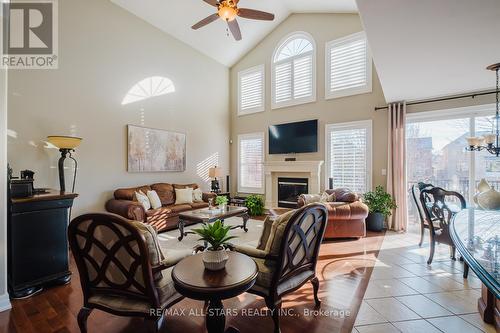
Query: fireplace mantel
x=306, y=169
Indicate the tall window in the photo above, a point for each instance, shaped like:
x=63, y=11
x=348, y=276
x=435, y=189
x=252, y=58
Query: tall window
x=348, y=66
x=251, y=163
x=294, y=71
x=251, y=90
x=436, y=152
x=348, y=154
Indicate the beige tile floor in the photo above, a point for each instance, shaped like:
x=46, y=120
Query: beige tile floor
x=407, y=295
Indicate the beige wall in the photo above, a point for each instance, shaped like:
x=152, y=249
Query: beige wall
x=324, y=28
x=103, y=52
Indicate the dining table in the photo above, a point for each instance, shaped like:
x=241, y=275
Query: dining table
x=476, y=235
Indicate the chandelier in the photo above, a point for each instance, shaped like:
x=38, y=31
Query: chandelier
x=489, y=142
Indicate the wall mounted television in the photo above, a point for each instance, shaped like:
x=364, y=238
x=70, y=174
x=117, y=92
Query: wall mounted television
x=299, y=137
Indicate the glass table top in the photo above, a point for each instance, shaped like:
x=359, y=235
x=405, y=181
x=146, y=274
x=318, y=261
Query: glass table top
x=476, y=234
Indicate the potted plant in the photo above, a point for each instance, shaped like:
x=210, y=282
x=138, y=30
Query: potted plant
x=255, y=205
x=381, y=205
x=221, y=201
x=216, y=235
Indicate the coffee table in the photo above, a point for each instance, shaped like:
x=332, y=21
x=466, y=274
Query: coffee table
x=206, y=215
x=192, y=280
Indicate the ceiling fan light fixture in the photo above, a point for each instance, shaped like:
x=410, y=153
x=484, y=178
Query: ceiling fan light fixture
x=228, y=13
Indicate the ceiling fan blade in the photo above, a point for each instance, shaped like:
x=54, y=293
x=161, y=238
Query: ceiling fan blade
x=255, y=14
x=214, y=3
x=205, y=21
x=235, y=29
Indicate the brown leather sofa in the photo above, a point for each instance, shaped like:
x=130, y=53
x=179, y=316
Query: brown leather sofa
x=346, y=215
x=164, y=218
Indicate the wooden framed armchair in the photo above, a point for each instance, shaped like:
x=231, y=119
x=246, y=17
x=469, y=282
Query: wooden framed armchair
x=424, y=224
x=122, y=269
x=287, y=254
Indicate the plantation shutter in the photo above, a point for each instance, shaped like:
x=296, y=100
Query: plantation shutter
x=303, y=77
x=349, y=158
x=251, y=163
x=283, y=82
x=251, y=90
x=349, y=66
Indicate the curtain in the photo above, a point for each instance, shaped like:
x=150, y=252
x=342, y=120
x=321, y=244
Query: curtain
x=396, y=165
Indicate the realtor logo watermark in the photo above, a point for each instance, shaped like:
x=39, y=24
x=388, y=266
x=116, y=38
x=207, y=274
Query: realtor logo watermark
x=30, y=34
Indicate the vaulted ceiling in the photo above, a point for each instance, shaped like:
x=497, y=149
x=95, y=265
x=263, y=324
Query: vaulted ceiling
x=429, y=48
x=177, y=17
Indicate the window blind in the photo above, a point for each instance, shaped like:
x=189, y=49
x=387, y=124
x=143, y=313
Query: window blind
x=251, y=90
x=251, y=163
x=349, y=157
x=349, y=66
x=303, y=74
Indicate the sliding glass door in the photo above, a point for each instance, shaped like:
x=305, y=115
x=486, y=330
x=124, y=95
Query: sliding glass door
x=436, y=154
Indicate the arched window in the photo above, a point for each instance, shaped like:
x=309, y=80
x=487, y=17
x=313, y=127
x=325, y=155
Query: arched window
x=150, y=87
x=294, y=71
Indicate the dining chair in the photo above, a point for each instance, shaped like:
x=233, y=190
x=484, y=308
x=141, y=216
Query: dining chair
x=440, y=211
x=122, y=269
x=287, y=254
x=424, y=224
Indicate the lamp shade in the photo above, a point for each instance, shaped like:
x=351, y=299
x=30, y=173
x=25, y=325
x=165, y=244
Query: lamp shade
x=214, y=172
x=64, y=142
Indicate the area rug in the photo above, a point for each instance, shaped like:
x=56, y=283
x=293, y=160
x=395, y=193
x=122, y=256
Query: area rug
x=169, y=242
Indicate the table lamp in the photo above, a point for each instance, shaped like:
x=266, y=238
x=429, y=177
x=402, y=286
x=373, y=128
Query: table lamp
x=66, y=145
x=214, y=173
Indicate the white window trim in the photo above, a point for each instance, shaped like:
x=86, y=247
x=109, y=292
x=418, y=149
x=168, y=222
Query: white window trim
x=259, y=68
x=368, y=125
x=283, y=42
x=368, y=88
x=241, y=189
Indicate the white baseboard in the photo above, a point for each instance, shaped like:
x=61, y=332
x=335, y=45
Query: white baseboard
x=4, y=302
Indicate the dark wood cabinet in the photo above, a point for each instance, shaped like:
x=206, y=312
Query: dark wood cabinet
x=38, y=242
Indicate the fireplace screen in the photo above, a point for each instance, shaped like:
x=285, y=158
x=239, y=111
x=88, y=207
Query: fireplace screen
x=289, y=190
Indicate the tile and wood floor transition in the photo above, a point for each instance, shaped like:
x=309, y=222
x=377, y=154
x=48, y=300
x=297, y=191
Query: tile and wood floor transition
x=396, y=292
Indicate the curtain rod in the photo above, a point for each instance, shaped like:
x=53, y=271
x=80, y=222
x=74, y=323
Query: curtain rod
x=471, y=95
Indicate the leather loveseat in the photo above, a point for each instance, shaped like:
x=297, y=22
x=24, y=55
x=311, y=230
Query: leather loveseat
x=164, y=218
x=346, y=215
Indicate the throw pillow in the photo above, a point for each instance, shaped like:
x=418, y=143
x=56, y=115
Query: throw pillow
x=143, y=200
x=154, y=199
x=183, y=196
x=325, y=197
x=276, y=234
x=197, y=195
x=153, y=246
x=266, y=232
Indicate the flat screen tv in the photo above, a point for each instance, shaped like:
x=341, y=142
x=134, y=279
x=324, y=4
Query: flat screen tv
x=300, y=137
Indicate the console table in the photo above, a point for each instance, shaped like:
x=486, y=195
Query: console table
x=476, y=235
x=192, y=280
x=37, y=242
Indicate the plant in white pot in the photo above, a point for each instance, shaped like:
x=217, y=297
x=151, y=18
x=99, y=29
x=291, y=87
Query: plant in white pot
x=216, y=235
x=381, y=205
x=221, y=201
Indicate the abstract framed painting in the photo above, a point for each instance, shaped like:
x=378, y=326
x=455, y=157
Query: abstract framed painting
x=155, y=150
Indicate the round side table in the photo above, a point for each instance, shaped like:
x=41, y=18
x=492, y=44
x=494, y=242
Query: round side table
x=192, y=280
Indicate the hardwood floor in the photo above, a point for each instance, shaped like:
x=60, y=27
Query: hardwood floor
x=344, y=270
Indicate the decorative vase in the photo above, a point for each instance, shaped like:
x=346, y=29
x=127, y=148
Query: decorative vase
x=215, y=260
x=223, y=207
x=489, y=200
x=375, y=222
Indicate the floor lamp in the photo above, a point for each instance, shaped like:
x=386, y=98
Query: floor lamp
x=66, y=145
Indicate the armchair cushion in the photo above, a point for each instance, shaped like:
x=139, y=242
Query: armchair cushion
x=251, y=251
x=166, y=293
x=266, y=232
x=276, y=234
x=153, y=246
x=266, y=269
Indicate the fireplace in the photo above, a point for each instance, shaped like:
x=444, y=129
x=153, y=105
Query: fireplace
x=289, y=190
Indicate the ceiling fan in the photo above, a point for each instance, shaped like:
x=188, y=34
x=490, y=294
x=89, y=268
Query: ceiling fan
x=228, y=10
